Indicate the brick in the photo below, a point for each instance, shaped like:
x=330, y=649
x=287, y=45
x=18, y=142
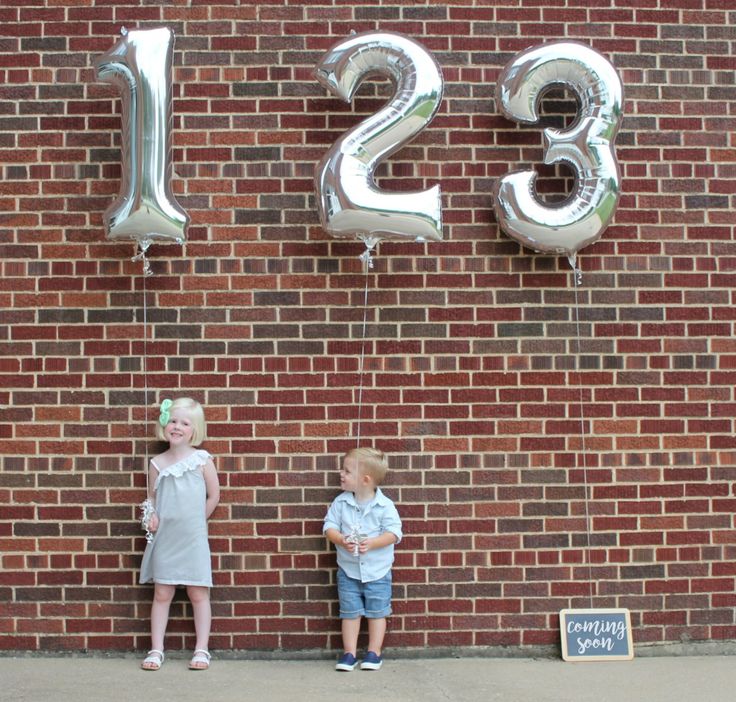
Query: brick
x=475, y=379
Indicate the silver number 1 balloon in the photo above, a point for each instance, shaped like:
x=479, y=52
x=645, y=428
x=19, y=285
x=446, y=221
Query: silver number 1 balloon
x=349, y=203
x=146, y=210
x=588, y=146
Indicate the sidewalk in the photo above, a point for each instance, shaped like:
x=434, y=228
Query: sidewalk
x=90, y=679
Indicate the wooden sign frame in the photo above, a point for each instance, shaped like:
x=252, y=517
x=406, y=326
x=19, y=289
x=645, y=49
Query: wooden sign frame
x=596, y=635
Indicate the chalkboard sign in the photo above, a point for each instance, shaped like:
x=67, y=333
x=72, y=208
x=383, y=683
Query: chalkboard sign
x=596, y=635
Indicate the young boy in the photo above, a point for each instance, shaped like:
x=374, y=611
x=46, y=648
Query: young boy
x=364, y=526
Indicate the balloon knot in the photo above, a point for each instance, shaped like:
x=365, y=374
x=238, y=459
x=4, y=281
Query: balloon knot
x=367, y=259
x=141, y=256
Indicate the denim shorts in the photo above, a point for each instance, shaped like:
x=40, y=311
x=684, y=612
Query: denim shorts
x=358, y=599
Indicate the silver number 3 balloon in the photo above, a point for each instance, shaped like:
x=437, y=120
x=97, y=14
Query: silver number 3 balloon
x=349, y=203
x=588, y=146
x=145, y=211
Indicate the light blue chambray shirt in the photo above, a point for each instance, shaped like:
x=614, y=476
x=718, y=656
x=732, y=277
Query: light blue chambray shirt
x=377, y=517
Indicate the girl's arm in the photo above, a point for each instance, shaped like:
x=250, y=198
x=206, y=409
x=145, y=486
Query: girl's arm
x=212, y=484
x=152, y=475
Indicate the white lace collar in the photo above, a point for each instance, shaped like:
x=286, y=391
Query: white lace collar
x=191, y=462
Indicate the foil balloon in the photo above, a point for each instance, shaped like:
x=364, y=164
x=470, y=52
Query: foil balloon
x=145, y=211
x=587, y=146
x=349, y=202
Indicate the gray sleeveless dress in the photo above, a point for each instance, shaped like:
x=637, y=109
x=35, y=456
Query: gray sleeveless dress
x=180, y=553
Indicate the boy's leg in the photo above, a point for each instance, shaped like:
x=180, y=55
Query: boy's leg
x=377, y=609
x=200, y=599
x=376, y=632
x=350, y=632
x=351, y=610
x=351, y=614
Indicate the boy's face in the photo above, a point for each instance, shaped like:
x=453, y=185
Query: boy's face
x=349, y=475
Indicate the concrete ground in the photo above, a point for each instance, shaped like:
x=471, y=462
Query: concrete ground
x=702, y=678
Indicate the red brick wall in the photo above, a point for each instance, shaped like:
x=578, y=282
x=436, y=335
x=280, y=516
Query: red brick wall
x=470, y=379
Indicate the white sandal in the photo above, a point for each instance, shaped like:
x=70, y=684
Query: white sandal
x=154, y=660
x=200, y=657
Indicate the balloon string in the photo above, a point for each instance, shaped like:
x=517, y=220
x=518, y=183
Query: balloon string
x=146, y=506
x=578, y=279
x=362, y=351
x=145, y=376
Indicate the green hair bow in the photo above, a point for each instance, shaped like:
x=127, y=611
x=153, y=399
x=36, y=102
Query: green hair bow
x=165, y=416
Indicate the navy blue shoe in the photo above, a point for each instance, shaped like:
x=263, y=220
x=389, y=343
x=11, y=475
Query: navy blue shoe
x=346, y=662
x=371, y=661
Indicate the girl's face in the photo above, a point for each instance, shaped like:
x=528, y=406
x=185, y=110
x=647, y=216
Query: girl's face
x=179, y=430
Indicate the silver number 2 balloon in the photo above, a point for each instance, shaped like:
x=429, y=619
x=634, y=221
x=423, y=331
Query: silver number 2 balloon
x=587, y=145
x=349, y=203
x=145, y=210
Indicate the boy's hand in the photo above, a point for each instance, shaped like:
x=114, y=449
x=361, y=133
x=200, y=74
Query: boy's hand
x=380, y=541
x=346, y=543
x=366, y=545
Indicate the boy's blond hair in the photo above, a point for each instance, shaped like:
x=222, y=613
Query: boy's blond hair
x=371, y=462
x=196, y=416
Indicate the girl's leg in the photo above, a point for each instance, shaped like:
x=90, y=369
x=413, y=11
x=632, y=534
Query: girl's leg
x=200, y=599
x=350, y=631
x=376, y=632
x=162, y=596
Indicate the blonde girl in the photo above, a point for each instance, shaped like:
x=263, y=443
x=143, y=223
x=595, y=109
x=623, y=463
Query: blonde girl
x=183, y=492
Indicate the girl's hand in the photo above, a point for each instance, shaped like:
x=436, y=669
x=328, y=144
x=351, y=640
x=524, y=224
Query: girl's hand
x=153, y=524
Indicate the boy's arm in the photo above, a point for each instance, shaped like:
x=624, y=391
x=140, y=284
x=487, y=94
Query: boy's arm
x=391, y=534
x=391, y=522
x=381, y=541
x=336, y=537
x=331, y=527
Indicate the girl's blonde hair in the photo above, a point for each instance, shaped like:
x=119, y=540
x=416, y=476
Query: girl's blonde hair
x=196, y=416
x=371, y=462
